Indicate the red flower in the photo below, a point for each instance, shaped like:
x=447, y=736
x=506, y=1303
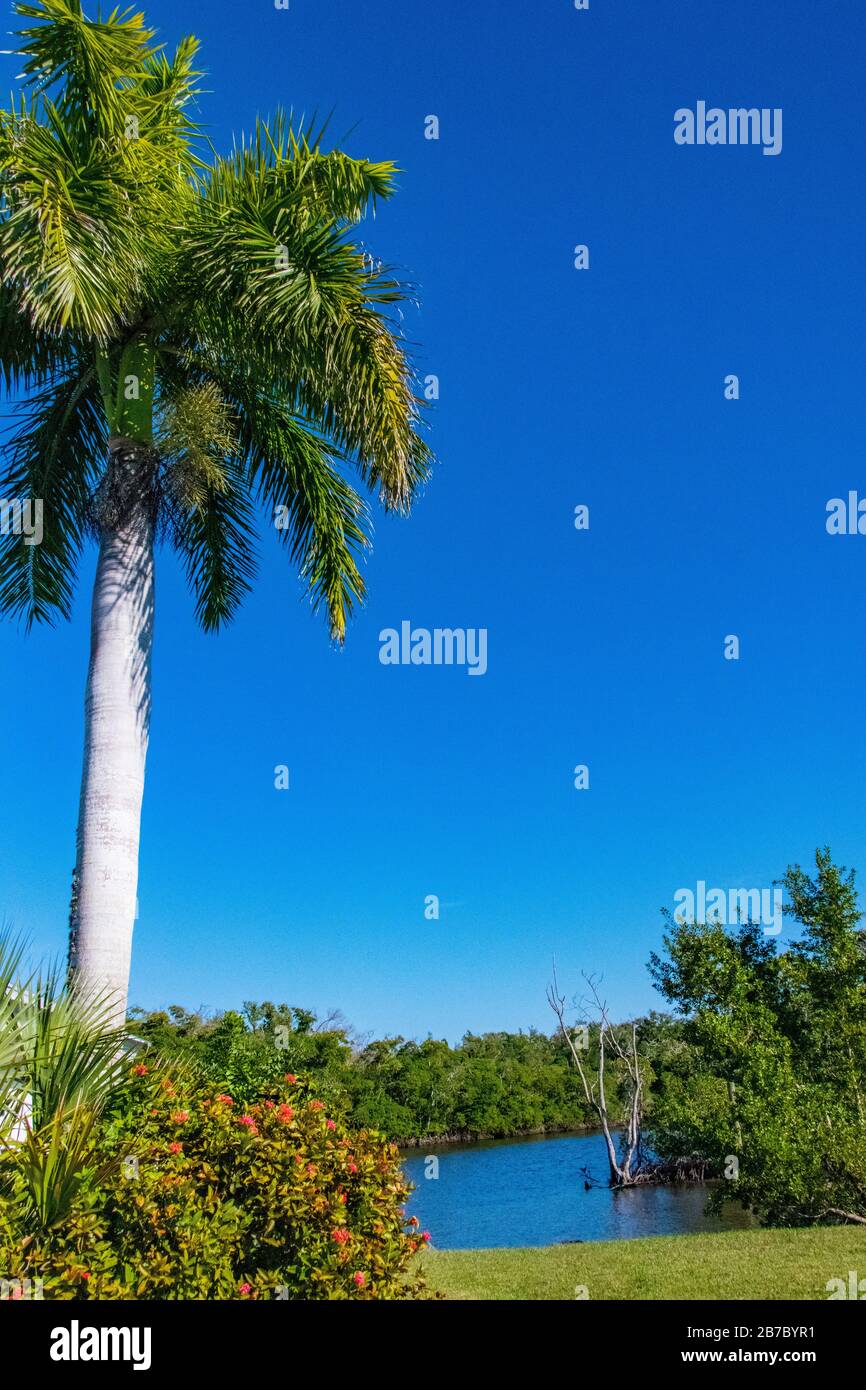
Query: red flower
x=84, y=1274
x=291, y=1078
x=341, y=1235
x=413, y=1221
x=317, y=1105
x=359, y=1279
x=179, y=1117
x=226, y=1100
x=331, y=1124
x=284, y=1114
x=175, y=1148
x=311, y=1169
x=249, y=1123
x=245, y=1288
x=353, y=1167
x=140, y=1070
x=269, y=1105
x=425, y=1235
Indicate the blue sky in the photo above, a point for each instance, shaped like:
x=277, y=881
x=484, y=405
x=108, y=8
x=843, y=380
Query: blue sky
x=605, y=648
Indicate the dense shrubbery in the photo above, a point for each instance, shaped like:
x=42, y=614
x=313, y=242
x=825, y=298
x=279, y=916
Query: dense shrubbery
x=495, y=1085
x=774, y=1068
x=199, y=1197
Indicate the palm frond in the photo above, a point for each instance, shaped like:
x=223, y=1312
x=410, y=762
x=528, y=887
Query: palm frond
x=61, y=1060
x=90, y=64
x=69, y=242
x=53, y=459
x=276, y=161
x=72, y=1050
x=317, y=515
x=50, y=1164
x=28, y=357
x=213, y=529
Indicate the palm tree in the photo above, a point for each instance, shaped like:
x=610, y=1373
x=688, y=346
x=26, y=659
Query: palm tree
x=191, y=343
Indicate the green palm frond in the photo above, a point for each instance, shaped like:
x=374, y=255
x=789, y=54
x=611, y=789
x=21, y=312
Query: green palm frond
x=282, y=286
x=29, y=357
x=316, y=513
x=68, y=242
x=361, y=392
x=92, y=63
x=95, y=169
x=61, y=1061
x=215, y=536
x=51, y=1163
x=54, y=460
x=14, y=984
x=277, y=161
x=72, y=1052
x=338, y=365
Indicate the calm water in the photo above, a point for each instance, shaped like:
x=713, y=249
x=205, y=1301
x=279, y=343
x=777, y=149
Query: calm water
x=530, y=1192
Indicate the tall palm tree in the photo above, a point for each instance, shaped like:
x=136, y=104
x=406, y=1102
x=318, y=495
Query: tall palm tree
x=191, y=343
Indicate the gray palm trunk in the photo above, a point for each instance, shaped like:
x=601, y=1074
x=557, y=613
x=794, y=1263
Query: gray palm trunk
x=116, y=722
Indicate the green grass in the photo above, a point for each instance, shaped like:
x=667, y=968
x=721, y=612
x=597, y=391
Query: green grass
x=774, y=1264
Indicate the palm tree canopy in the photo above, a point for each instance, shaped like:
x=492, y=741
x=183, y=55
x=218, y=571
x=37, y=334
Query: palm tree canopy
x=216, y=312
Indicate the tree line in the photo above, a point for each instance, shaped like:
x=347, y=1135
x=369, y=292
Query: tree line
x=756, y=1078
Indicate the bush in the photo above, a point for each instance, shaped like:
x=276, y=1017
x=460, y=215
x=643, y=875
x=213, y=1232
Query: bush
x=199, y=1198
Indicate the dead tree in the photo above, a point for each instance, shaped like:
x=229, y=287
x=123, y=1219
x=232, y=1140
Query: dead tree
x=625, y=1167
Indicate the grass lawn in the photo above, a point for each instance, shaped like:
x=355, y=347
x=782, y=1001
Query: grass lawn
x=730, y=1265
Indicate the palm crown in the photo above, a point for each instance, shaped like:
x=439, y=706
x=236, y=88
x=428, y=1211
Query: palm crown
x=211, y=322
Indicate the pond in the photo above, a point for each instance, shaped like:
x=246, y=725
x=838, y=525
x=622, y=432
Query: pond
x=516, y=1192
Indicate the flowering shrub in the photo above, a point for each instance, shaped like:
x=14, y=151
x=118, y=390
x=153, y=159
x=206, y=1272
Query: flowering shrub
x=208, y=1200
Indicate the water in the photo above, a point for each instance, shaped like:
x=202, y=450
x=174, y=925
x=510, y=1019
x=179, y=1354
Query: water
x=517, y=1192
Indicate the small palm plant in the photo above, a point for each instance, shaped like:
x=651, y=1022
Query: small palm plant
x=61, y=1061
x=192, y=344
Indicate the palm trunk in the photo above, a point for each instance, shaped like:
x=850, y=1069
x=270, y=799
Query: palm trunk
x=116, y=719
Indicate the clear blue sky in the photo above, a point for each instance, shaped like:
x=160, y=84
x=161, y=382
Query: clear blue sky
x=558, y=387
